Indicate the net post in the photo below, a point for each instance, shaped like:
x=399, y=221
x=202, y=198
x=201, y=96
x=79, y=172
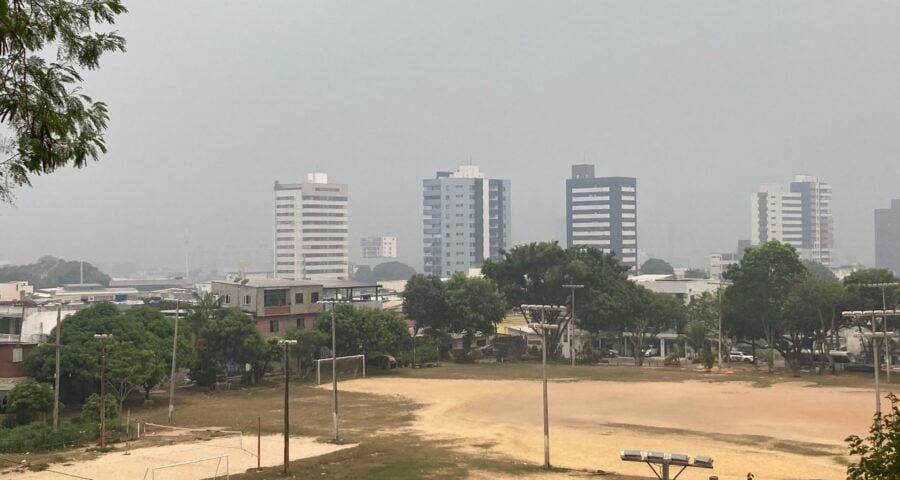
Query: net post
x=364, y=365
x=318, y=372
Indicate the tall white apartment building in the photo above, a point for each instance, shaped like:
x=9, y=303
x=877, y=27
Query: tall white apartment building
x=311, y=230
x=467, y=219
x=379, y=247
x=800, y=217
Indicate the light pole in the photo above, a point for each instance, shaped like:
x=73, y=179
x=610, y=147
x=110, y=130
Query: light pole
x=720, y=284
x=287, y=405
x=572, y=322
x=887, y=346
x=334, y=391
x=883, y=314
x=542, y=327
x=102, y=337
x=172, y=375
x=56, y=376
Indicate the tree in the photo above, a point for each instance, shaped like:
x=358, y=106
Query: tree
x=813, y=317
x=364, y=331
x=535, y=274
x=657, y=266
x=51, y=122
x=702, y=321
x=425, y=302
x=393, y=271
x=646, y=315
x=862, y=297
x=205, y=307
x=309, y=343
x=879, y=453
x=28, y=399
x=230, y=339
x=129, y=368
x=696, y=273
x=364, y=274
x=474, y=305
x=50, y=272
x=819, y=271
x=761, y=284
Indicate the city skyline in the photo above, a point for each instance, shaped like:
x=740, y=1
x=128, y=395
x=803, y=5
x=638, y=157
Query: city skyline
x=676, y=99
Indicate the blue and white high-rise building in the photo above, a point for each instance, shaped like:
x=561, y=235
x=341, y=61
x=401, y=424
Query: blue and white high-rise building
x=602, y=212
x=467, y=219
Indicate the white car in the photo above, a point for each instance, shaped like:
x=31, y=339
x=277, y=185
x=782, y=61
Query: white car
x=740, y=357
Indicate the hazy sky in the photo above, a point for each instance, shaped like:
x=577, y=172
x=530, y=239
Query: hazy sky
x=701, y=101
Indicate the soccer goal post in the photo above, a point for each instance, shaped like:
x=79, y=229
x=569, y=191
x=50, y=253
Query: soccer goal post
x=213, y=436
x=208, y=468
x=353, y=366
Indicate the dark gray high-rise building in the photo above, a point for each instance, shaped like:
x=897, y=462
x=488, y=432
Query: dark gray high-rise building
x=467, y=219
x=887, y=237
x=602, y=212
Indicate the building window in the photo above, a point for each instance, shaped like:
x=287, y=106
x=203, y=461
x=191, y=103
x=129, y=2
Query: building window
x=273, y=326
x=227, y=299
x=246, y=299
x=275, y=298
x=314, y=297
x=298, y=299
x=301, y=324
x=17, y=355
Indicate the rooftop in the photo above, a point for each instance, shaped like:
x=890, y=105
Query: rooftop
x=270, y=283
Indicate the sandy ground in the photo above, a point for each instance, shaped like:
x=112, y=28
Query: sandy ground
x=118, y=466
x=790, y=431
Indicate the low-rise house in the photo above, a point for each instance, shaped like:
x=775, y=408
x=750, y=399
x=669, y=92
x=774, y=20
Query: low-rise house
x=15, y=291
x=275, y=304
x=90, y=293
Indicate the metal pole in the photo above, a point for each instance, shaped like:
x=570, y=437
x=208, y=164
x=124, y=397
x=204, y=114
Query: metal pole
x=286, y=413
x=334, y=376
x=877, y=362
x=887, y=343
x=719, y=350
x=544, y=374
x=103, y=397
x=56, y=376
x=258, y=441
x=571, y=327
x=172, y=375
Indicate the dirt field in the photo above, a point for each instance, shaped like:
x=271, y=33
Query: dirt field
x=118, y=466
x=784, y=431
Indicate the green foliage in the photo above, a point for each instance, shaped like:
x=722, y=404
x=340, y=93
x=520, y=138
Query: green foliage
x=28, y=399
x=879, y=452
x=761, y=285
x=90, y=410
x=861, y=297
x=813, y=317
x=425, y=301
x=365, y=331
x=473, y=305
x=364, y=273
x=819, y=271
x=80, y=357
x=309, y=343
x=130, y=367
x=50, y=271
x=708, y=360
x=230, y=336
x=696, y=273
x=36, y=437
x=393, y=271
x=51, y=122
x=657, y=266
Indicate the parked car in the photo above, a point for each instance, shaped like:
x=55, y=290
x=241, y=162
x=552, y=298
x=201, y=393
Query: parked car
x=740, y=357
x=651, y=352
x=612, y=353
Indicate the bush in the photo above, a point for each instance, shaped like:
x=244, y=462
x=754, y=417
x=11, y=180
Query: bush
x=708, y=360
x=26, y=400
x=90, y=411
x=879, y=457
x=36, y=437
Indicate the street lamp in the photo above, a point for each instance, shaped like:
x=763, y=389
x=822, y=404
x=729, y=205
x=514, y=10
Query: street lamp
x=887, y=347
x=720, y=284
x=287, y=414
x=102, y=337
x=883, y=314
x=543, y=327
x=572, y=322
x=334, y=390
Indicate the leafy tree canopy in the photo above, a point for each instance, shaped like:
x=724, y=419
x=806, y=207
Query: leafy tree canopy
x=819, y=271
x=29, y=398
x=474, y=305
x=393, y=271
x=365, y=330
x=863, y=297
x=364, y=274
x=50, y=272
x=49, y=121
x=657, y=266
x=696, y=273
x=229, y=337
x=425, y=301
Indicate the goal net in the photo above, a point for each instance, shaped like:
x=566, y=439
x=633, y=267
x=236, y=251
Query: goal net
x=215, y=437
x=206, y=468
x=345, y=368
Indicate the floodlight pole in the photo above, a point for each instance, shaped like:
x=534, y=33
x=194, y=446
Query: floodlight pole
x=572, y=322
x=877, y=368
x=172, y=375
x=102, y=337
x=287, y=405
x=56, y=377
x=884, y=324
x=334, y=391
x=546, y=410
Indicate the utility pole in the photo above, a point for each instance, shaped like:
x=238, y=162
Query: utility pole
x=334, y=390
x=543, y=326
x=887, y=344
x=572, y=323
x=287, y=406
x=172, y=374
x=56, y=376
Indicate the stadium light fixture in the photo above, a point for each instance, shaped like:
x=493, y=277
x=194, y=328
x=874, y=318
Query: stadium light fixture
x=572, y=323
x=334, y=391
x=876, y=358
x=665, y=460
x=543, y=327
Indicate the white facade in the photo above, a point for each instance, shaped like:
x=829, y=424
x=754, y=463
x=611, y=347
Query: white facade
x=800, y=217
x=311, y=230
x=379, y=247
x=15, y=291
